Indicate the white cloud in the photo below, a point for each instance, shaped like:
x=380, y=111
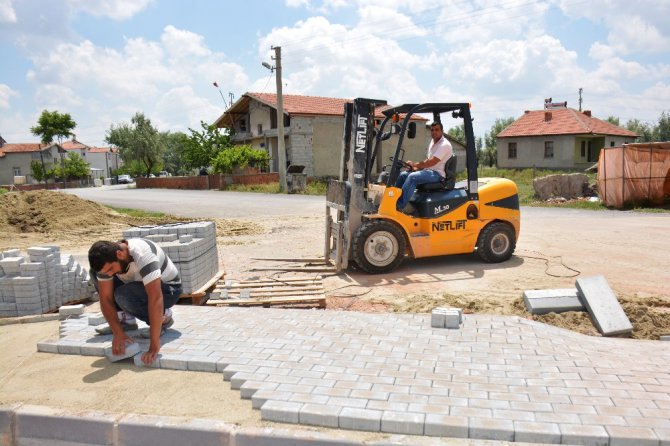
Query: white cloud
x=7, y=13
x=5, y=94
x=114, y=9
x=328, y=59
x=170, y=80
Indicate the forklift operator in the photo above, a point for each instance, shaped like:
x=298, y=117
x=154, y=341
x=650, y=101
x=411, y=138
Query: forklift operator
x=431, y=170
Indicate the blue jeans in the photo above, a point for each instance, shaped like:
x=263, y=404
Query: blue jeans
x=133, y=299
x=409, y=181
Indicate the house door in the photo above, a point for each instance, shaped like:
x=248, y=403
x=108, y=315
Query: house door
x=594, y=146
x=274, y=154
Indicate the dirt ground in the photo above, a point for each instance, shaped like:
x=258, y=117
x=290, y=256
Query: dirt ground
x=629, y=249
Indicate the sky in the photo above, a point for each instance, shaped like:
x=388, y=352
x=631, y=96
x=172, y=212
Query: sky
x=102, y=61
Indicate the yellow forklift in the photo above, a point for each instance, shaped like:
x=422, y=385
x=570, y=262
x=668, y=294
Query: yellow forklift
x=362, y=223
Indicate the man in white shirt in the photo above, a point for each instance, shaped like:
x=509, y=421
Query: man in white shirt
x=138, y=280
x=430, y=170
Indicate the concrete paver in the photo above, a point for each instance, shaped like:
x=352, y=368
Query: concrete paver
x=502, y=378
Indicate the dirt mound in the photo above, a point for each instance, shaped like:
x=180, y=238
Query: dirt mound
x=45, y=211
x=34, y=217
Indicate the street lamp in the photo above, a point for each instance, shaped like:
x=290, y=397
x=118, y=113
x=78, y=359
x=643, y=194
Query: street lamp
x=280, y=117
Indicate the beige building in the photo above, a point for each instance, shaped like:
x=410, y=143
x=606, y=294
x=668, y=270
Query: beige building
x=15, y=160
x=313, y=130
x=557, y=138
x=103, y=161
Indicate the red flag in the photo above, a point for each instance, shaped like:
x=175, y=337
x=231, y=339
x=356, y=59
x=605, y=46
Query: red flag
x=216, y=85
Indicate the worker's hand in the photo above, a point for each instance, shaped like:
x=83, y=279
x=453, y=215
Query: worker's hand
x=150, y=356
x=119, y=343
x=413, y=165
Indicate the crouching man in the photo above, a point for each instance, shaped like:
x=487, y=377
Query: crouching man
x=135, y=279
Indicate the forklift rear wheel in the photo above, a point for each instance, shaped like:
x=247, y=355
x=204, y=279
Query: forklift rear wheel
x=379, y=246
x=496, y=242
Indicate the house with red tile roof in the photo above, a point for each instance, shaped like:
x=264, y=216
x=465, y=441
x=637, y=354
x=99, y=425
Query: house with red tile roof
x=557, y=138
x=103, y=160
x=15, y=159
x=313, y=131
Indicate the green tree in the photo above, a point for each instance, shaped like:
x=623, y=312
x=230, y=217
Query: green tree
x=613, y=120
x=138, y=141
x=73, y=167
x=204, y=146
x=52, y=125
x=490, y=152
x=39, y=171
x=458, y=133
x=644, y=131
x=240, y=157
x=662, y=129
x=175, y=145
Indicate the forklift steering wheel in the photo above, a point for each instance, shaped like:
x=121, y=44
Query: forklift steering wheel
x=401, y=163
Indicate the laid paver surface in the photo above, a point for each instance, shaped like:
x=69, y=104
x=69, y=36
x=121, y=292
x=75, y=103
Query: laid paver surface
x=497, y=377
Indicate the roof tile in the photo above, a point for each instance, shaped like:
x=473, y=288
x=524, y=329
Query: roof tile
x=564, y=121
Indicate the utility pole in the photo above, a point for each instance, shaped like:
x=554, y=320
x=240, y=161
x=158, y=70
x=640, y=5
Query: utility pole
x=580, y=98
x=280, y=121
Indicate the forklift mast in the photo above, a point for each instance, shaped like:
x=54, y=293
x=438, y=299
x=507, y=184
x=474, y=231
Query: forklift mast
x=349, y=195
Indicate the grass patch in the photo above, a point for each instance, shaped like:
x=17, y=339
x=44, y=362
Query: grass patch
x=138, y=213
x=314, y=187
x=3, y=191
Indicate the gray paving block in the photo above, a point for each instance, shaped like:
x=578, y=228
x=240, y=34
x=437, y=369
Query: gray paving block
x=131, y=350
x=137, y=359
x=360, y=419
x=552, y=301
x=491, y=429
x=437, y=425
x=37, y=422
x=281, y=411
x=6, y=422
x=320, y=415
x=252, y=436
x=632, y=436
x=532, y=432
x=603, y=306
x=586, y=435
x=135, y=430
x=403, y=423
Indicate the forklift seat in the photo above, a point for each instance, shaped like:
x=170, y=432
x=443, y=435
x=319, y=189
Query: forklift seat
x=447, y=183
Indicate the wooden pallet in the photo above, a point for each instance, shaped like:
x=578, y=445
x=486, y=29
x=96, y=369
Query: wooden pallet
x=199, y=297
x=268, y=292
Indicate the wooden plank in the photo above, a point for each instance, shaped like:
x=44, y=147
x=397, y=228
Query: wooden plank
x=237, y=286
x=284, y=294
x=320, y=301
x=273, y=288
x=304, y=260
x=198, y=296
x=280, y=279
x=297, y=269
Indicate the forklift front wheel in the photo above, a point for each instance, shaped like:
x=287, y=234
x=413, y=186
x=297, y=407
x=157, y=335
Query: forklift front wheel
x=379, y=246
x=496, y=242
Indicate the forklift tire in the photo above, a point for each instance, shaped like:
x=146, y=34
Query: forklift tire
x=496, y=242
x=379, y=247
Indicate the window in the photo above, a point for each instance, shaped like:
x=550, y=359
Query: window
x=549, y=149
x=260, y=129
x=243, y=125
x=583, y=149
x=273, y=119
x=17, y=171
x=511, y=150
x=611, y=143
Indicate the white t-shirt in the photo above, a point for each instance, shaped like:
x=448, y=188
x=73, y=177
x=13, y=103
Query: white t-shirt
x=149, y=263
x=442, y=150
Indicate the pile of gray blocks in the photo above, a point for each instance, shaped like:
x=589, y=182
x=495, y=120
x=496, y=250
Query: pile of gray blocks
x=40, y=281
x=592, y=294
x=190, y=246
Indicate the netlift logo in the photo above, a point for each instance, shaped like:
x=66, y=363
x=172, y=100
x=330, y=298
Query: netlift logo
x=361, y=134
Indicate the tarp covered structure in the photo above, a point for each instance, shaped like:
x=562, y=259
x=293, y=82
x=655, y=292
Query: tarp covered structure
x=634, y=173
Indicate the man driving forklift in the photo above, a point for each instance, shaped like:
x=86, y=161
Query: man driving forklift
x=430, y=170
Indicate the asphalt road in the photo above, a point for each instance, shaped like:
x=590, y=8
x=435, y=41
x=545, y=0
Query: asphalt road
x=204, y=203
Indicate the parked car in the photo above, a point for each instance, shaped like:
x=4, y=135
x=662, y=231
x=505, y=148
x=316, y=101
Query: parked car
x=163, y=173
x=125, y=179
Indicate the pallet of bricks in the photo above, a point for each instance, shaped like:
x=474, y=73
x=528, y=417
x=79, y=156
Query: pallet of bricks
x=40, y=281
x=190, y=246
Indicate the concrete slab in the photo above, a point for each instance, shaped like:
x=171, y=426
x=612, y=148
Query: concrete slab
x=552, y=301
x=131, y=350
x=603, y=306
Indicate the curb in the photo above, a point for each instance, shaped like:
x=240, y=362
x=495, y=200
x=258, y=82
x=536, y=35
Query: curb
x=42, y=425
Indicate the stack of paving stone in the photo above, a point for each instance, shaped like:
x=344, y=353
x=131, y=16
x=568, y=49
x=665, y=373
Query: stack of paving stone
x=40, y=282
x=190, y=246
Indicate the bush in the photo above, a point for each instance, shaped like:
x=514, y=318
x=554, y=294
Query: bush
x=240, y=157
